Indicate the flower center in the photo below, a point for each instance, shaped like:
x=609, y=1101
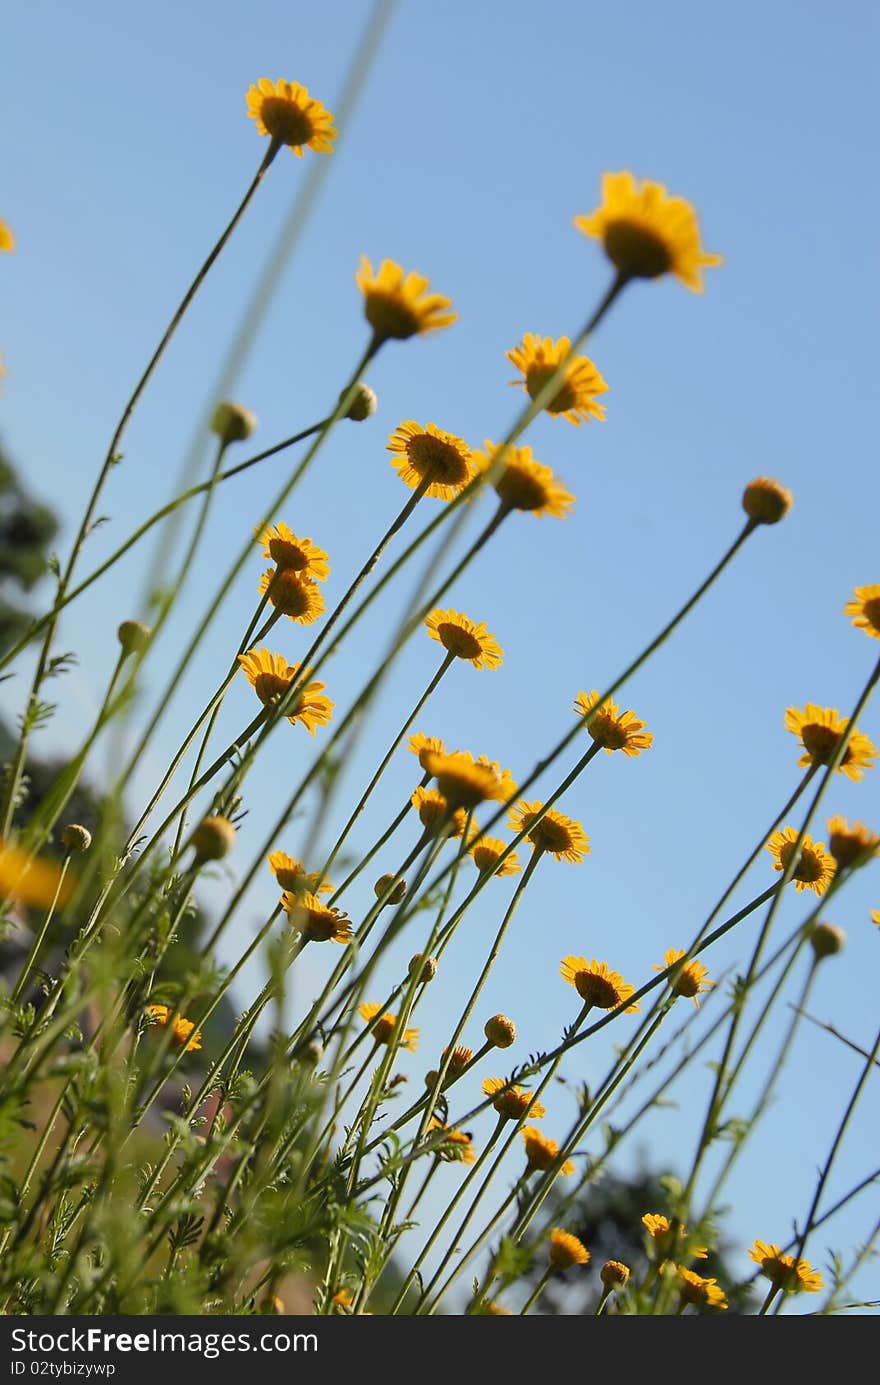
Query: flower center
x=820, y=742
x=607, y=732
x=289, y=594
x=551, y=836
x=596, y=990
x=288, y=555
x=390, y=316
x=565, y=397
x=809, y=868
x=871, y=611
x=285, y=121
x=440, y=460
x=520, y=490
x=459, y=642
x=635, y=250
x=270, y=686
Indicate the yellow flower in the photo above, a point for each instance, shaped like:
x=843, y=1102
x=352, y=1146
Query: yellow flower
x=382, y=1026
x=820, y=730
x=541, y=1152
x=815, y=868
x=458, y=1145
x=647, y=233
x=611, y=728
x=434, y=813
x=523, y=483
x=659, y=1227
x=464, y=782
x=423, y=745
x=705, y=1293
x=566, y=1250
x=7, y=239
x=788, y=1274
x=850, y=844
x=690, y=979
x=464, y=639
x=342, y=1299
x=286, y=112
x=314, y=921
x=183, y=1032
x=298, y=555
x=540, y=357
x=270, y=676
x=429, y=453
x=497, y=1310
x=596, y=984
x=488, y=851
x=767, y=501
x=398, y=305
x=293, y=596
x=461, y=1057
x=213, y=839
x=294, y=878
x=865, y=610
x=562, y=837
x=875, y=917
x=28, y=880
x=614, y=1274
x=511, y=1101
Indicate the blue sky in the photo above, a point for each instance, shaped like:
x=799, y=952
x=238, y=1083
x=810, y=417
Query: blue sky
x=482, y=132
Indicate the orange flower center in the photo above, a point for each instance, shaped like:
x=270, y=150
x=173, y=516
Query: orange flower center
x=550, y=835
x=871, y=611
x=389, y=316
x=520, y=490
x=270, y=686
x=820, y=743
x=636, y=251
x=809, y=868
x=289, y=594
x=285, y=121
x=440, y=460
x=565, y=397
x=597, y=990
x=288, y=555
x=459, y=642
x=607, y=732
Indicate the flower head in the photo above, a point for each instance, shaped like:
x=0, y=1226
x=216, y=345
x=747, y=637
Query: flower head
x=500, y=1031
x=820, y=730
x=464, y=639
x=523, y=483
x=457, y=1146
x=851, y=844
x=611, y=728
x=294, y=878
x=29, y=880
x=788, y=1274
x=766, y=501
x=382, y=1026
x=826, y=940
x=435, y=814
x=542, y=1153
x=540, y=357
x=814, y=869
x=562, y=837
x=342, y=1299
x=596, y=984
x=233, y=422
x=397, y=304
x=423, y=745
x=511, y=1101
x=865, y=610
x=7, y=239
x=646, y=233
x=286, y=112
x=292, y=554
x=690, y=979
x=659, y=1228
x=183, y=1032
x=614, y=1274
x=294, y=596
x=429, y=454
x=464, y=782
x=316, y=922
x=705, y=1293
x=270, y=676
x=213, y=839
x=566, y=1250
x=487, y=852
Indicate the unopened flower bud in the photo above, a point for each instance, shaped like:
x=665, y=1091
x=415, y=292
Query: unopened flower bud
x=76, y=838
x=614, y=1274
x=134, y=636
x=213, y=839
x=826, y=940
x=363, y=403
x=500, y=1031
x=384, y=883
x=426, y=967
x=766, y=501
x=233, y=423
x=310, y=1054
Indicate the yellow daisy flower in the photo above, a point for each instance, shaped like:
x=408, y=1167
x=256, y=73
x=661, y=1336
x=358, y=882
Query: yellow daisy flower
x=511, y=1101
x=611, y=728
x=646, y=233
x=464, y=782
x=524, y=483
x=30, y=881
x=690, y=980
x=314, y=921
x=614, y=1274
x=397, y=304
x=286, y=112
x=424, y=745
x=488, y=851
x=464, y=639
x=815, y=868
x=819, y=730
x=788, y=1274
x=342, y=1299
x=865, y=610
x=294, y=878
x=298, y=555
x=458, y=1145
x=433, y=811
x=705, y=1293
x=184, y=1033
x=850, y=844
x=7, y=239
x=270, y=676
x=382, y=1026
x=659, y=1227
x=596, y=984
x=566, y=1250
x=562, y=837
x=292, y=595
x=541, y=1152
x=423, y=453
x=540, y=357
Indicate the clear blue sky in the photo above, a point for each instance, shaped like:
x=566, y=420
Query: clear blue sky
x=483, y=131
